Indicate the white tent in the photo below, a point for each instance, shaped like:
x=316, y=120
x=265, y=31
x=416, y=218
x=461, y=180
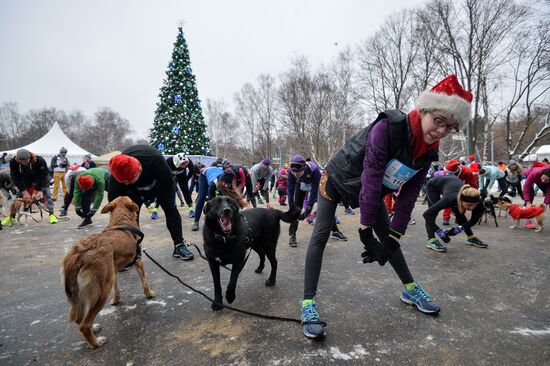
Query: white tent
x=543, y=152
x=48, y=146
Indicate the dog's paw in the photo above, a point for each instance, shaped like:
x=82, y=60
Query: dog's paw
x=216, y=307
x=230, y=296
x=96, y=328
x=270, y=282
x=101, y=341
x=150, y=294
x=259, y=269
x=115, y=301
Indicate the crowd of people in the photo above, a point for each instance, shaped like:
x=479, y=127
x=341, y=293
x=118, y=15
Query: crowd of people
x=381, y=170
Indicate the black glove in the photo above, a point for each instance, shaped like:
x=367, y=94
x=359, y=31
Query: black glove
x=454, y=230
x=374, y=250
x=368, y=256
x=483, y=193
x=443, y=236
x=79, y=212
x=304, y=214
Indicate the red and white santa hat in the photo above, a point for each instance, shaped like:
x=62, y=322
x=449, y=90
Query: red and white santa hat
x=452, y=167
x=449, y=96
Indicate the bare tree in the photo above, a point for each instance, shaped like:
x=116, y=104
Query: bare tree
x=11, y=126
x=295, y=98
x=385, y=63
x=530, y=78
x=477, y=40
x=222, y=128
x=265, y=103
x=108, y=132
x=247, y=118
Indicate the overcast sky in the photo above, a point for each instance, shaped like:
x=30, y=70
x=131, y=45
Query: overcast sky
x=75, y=54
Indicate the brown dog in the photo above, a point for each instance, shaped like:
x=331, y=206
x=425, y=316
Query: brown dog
x=537, y=212
x=22, y=207
x=90, y=268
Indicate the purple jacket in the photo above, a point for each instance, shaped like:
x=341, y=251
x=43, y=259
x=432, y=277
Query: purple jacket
x=533, y=177
x=377, y=156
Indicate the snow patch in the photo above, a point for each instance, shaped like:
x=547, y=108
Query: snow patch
x=156, y=302
x=130, y=307
x=107, y=311
x=531, y=332
x=338, y=355
x=35, y=322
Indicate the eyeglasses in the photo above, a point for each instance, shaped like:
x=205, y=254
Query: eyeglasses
x=442, y=122
x=296, y=167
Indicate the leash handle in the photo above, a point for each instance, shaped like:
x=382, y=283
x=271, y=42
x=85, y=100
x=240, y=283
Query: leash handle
x=272, y=317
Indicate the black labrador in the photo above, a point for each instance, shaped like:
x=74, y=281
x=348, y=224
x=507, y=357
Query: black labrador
x=228, y=233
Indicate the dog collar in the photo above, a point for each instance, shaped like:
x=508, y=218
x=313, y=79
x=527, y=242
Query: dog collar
x=134, y=230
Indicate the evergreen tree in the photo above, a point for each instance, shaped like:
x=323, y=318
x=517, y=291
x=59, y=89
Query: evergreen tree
x=179, y=123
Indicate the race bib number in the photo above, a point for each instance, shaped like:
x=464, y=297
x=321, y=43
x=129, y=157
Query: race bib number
x=305, y=187
x=397, y=174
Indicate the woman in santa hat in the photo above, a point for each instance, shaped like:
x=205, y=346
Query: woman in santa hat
x=394, y=151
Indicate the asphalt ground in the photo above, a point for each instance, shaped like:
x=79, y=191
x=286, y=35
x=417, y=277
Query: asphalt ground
x=495, y=303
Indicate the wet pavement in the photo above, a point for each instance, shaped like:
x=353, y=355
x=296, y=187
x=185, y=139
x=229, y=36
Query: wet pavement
x=495, y=303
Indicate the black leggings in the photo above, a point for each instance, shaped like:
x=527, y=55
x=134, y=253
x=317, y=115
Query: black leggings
x=165, y=199
x=321, y=232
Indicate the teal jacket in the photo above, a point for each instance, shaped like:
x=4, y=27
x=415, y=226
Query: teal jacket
x=492, y=173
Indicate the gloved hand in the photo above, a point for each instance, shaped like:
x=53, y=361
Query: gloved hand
x=454, y=231
x=368, y=256
x=374, y=250
x=483, y=193
x=79, y=212
x=443, y=235
x=305, y=214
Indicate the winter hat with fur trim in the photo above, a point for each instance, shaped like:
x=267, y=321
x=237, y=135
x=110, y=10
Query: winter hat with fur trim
x=452, y=167
x=85, y=182
x=449, y=96
x=124, y=168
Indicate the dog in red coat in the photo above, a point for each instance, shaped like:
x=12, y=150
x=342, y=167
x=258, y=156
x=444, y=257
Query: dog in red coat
x=537, y=212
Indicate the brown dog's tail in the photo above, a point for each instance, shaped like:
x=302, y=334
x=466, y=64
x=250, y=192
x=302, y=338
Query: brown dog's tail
x=289, y=215
x=79, y=286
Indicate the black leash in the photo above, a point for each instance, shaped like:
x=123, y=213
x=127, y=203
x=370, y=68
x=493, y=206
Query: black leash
x=272, y=317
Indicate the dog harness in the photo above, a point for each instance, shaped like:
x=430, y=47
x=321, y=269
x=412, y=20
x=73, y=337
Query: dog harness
x=248, y=240
x=134, y=231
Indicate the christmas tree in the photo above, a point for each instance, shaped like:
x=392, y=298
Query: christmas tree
x=179, y=124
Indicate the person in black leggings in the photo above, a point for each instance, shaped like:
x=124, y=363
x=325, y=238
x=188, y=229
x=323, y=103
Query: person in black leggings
x=449, y=191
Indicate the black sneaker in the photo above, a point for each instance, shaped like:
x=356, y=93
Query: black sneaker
x=85, y=223
x=292, y=241
x=339, y=236
x=181, y=251
x=195, y=226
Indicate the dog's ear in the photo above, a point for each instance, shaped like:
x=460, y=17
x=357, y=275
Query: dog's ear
x=107, y=208
x=132, y=206
x=206, y=208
